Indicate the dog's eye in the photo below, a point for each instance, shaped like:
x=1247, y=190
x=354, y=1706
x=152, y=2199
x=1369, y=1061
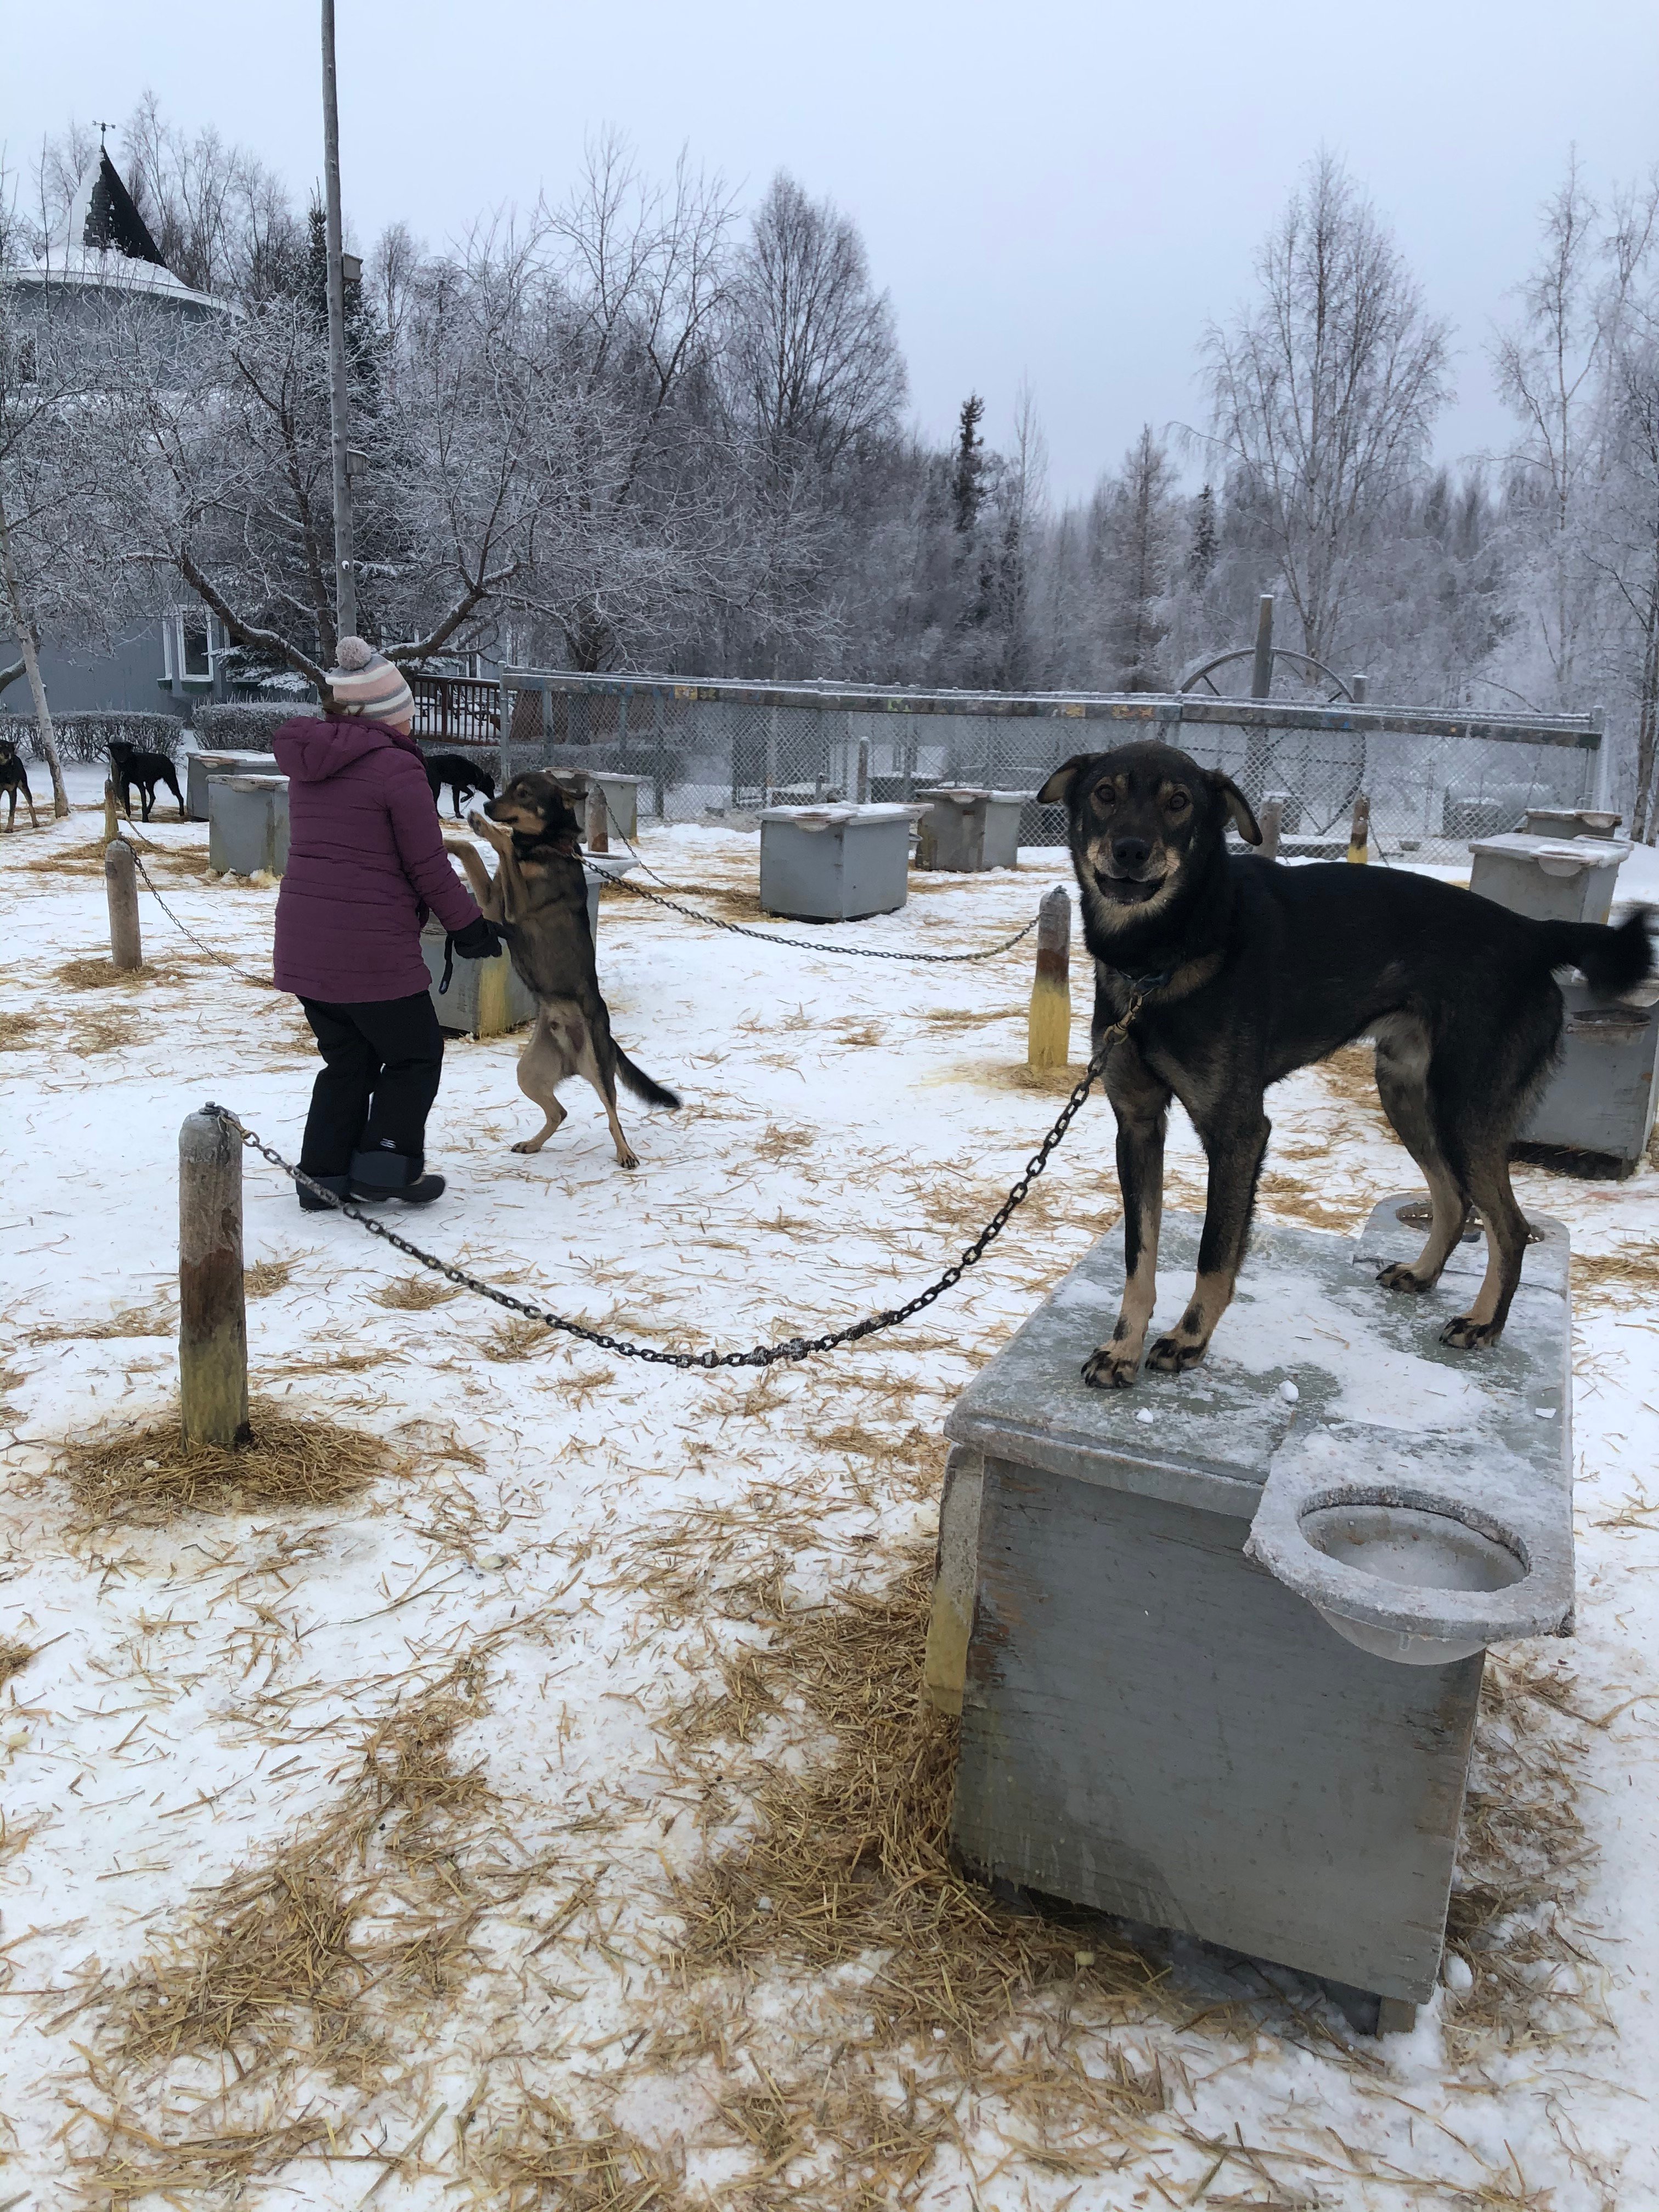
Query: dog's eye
x=1103, y=798
x=1176, y=802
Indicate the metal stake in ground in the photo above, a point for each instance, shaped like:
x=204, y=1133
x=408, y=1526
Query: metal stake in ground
x=1048, y=1030
x=212, y=1317
x=126, y=948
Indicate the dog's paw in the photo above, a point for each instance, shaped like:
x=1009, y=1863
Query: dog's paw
x=1465, y=1334
x=475, y=821
x=1110, y=1370
x=627, y=1159
x=1173, y=1355
x=528, y=1144
x=1399, y=1275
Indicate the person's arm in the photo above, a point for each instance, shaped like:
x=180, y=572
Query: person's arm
x=418, y=836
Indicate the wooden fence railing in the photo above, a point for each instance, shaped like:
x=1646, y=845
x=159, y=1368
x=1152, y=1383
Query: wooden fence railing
x=465, y=710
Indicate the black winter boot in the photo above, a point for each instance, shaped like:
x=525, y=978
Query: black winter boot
x=381, y=1175
x=309, y=1201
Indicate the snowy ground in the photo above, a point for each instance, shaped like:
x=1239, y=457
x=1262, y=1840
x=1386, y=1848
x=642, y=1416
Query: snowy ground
x=489, y=1711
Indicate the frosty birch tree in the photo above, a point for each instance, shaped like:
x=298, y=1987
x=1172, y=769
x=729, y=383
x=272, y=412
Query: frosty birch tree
x=813, y=343
x=1323, y=394
x=1558, y=369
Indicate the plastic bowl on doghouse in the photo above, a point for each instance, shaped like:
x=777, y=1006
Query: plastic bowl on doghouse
x=1415, y=1547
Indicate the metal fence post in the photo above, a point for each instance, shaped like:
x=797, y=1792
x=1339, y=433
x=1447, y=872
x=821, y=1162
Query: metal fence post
x=212, y=1317
x=1271, y=823
x=1359, y=830
x=126, y=948
x=660, y=791
x=861, y=789
x=503, y=767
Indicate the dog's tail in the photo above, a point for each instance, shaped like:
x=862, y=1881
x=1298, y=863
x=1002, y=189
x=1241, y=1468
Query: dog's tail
x=1611, y=961
x=640, y=1084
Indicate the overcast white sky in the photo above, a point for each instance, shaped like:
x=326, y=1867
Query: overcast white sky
x=1062, y=191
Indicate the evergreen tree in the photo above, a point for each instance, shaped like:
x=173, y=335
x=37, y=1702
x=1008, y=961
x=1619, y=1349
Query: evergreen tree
x=967, y=488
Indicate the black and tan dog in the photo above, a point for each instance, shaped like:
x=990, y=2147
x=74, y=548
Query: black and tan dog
x=14, y=778
x=1247, y=970
x=540, y=895
x=129, y=766
x=463, y=777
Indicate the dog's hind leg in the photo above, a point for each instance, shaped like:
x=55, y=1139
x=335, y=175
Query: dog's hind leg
x=1506, y=1248
x=597, y=1061
x=1235, y=1137
x=1141, y=1104
x=542, y=1064
x=1402, y=1072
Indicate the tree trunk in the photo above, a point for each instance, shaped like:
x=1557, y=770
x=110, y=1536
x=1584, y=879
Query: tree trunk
x=60, y=806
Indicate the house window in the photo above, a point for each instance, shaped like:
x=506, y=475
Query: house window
x=192, y=642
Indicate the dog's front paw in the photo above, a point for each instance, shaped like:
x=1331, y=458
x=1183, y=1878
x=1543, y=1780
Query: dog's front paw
x=627, y=1159
x=528, y=1144
x=475, y=821
x=1173, y=1355
x=1111, y=1370
x=1466, y=1334
x=1401, y=1275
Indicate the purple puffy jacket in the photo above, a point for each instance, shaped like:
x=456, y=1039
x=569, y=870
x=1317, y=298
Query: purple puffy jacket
x=366, y=861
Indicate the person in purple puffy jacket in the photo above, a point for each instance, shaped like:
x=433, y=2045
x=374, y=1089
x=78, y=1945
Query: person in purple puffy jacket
x=366, y=863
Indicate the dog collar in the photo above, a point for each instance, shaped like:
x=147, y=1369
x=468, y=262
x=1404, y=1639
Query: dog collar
x=1141, y=984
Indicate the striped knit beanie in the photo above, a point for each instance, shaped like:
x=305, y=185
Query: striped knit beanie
x=365, y=684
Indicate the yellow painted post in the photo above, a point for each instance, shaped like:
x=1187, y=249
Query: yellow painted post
x=1049, y=1032
x=1359, y=831
x=493, y=974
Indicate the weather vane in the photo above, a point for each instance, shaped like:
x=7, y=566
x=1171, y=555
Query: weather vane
x=102, y=128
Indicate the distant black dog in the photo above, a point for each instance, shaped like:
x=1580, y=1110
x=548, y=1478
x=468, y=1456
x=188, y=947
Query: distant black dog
x=132, y=767
x=1246, y=970
x=14, y=778
x=463, y=777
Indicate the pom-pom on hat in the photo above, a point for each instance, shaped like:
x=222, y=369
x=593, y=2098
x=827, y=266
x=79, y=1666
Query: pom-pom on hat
x=365, y=684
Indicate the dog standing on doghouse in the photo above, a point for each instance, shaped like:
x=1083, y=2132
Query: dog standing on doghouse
x=1240, y=971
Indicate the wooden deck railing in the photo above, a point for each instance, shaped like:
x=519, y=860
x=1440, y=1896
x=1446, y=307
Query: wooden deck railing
x=464, y=710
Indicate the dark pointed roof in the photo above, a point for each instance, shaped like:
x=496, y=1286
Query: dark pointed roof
x=113, y=224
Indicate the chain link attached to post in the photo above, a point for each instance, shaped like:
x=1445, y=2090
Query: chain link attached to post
x=760, y=1355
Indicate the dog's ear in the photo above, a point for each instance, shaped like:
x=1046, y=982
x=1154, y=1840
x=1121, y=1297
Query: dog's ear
x=1238, y=805
x=1057, y=791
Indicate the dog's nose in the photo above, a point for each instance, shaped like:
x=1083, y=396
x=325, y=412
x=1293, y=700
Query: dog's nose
x=1131, y=855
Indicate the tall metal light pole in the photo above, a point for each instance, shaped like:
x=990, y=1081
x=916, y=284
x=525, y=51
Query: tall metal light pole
x=345, y=573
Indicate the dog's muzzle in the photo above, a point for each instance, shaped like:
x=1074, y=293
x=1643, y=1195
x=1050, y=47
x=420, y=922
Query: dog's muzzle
x=1127, y=890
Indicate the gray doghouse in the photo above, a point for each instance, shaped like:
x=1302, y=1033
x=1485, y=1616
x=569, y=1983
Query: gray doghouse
x=1602, y=1093
x=202, y=769
x=965, y=830
x=1551, y=879
x=1571, y=821
x=834, y=863
x=1217, y=1644
x=248, y=824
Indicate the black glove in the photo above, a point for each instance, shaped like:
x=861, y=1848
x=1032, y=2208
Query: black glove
x=479, y=940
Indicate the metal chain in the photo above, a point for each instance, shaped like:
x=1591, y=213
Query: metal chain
x=760, y=1355
x=805, y=943
x=265, y=983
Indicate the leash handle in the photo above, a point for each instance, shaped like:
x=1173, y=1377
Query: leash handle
x=449, y=961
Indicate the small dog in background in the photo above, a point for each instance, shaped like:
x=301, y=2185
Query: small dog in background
x=540, y=894
x=463, y=777
x=14, y=778
x=130, y=766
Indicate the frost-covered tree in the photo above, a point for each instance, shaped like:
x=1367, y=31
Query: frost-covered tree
x=1323, y=394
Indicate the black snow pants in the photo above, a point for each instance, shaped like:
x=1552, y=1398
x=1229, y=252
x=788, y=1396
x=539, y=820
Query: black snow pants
x=382, y=1062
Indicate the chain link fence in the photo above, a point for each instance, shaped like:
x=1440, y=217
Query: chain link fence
x=720, y=752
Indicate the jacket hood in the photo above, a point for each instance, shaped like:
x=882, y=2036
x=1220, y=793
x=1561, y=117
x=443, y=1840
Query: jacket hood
x=311, y=752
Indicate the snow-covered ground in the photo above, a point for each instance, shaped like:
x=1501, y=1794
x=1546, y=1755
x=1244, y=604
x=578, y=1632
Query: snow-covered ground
x=477, y=1721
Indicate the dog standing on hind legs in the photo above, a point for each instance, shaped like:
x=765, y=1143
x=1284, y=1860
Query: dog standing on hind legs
x=539, y=895
x=1242, y=970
